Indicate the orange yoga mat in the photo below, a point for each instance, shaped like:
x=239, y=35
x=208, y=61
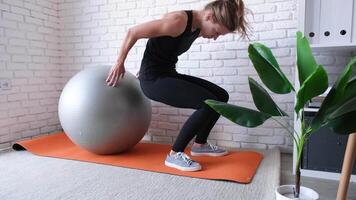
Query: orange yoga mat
x=238, y=166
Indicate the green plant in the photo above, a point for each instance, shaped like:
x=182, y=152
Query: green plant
x=337, y=110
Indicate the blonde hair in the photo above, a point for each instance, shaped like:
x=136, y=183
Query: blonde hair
x=231, y=14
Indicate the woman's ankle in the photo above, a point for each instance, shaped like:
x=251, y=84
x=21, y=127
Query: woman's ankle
x=172, y=153
x=197, y=144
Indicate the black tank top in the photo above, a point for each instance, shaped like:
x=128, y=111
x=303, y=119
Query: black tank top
x=161, y=53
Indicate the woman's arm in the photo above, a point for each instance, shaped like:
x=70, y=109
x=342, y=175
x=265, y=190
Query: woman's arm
x=173, y=24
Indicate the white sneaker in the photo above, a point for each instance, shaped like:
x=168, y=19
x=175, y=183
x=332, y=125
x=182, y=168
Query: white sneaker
x=182, y=162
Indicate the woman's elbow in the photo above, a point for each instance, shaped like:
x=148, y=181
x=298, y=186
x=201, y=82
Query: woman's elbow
x=131, y=33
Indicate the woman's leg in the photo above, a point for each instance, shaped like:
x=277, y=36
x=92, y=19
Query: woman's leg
x=178, y=92
x=221, y=95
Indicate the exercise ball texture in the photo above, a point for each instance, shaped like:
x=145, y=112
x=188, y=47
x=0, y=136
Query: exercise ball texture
x=100, y=118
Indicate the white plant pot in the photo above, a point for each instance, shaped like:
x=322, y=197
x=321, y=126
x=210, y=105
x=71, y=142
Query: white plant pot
x=285, y=192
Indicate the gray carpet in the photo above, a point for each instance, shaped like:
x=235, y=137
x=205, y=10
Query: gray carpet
x=27, y=176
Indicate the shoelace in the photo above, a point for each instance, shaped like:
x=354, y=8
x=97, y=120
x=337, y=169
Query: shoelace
x=184, y=157
x=214, y=147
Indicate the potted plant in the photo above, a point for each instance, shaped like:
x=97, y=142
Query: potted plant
x=337, y=111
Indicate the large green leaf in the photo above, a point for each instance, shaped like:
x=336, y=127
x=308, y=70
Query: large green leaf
x=313, y=86
x=268, y=69
x=345, y=124
x=348, y=106
x=349, y=93
x=350, y=90
x=334, y=96
x=239, y=115
x=263, y=100
x=305, y=59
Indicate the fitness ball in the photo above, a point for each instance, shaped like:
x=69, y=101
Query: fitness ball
x=100, y=118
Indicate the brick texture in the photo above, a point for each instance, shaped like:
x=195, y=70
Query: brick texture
x=44, y=43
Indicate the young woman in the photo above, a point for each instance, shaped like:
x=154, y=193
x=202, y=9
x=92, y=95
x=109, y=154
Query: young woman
x=169, y=37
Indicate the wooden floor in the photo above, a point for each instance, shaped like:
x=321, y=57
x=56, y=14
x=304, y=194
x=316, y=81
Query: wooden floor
x=327, y=189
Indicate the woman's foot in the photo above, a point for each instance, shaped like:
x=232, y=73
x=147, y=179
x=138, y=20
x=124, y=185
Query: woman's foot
x=182, y=162
x=207, y=149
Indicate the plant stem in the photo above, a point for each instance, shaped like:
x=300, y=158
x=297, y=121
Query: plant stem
x=297, y=181
x=279, y=110
x=300, y=145
x=287, y=122
x=290, y=132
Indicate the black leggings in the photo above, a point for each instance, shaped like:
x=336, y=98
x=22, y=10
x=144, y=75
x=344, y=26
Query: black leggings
x=185, y=91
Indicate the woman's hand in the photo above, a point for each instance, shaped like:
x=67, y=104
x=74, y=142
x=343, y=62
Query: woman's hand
x=116, y=73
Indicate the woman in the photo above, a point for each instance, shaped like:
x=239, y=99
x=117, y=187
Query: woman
x=169, y=37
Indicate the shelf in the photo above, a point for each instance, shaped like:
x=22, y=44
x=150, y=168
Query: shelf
x=324, y=175
x=333, y=46
x=311, y=109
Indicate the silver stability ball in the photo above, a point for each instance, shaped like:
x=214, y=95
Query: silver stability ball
x=100, y=118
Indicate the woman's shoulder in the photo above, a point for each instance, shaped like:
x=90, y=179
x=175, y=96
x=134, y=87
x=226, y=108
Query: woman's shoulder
x=177, y=20
x=177, y=15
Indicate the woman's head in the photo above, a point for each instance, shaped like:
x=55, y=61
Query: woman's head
x=224, y=16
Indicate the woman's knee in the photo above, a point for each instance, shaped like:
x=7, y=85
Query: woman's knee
x=223, y=96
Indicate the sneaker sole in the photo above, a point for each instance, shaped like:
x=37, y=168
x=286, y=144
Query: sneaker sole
x=187, y=169
x=209, y=154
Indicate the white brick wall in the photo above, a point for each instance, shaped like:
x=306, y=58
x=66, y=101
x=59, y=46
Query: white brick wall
x=44, y=43
x=29, y=58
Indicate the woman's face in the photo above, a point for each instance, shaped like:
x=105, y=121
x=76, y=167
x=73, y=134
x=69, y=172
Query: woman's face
x=211, y=29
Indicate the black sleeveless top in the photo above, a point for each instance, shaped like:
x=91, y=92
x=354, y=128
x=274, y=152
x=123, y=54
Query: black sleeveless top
x=161, y=53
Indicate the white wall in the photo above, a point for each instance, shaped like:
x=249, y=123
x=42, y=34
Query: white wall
x=47, y=42
x=91, y=33
x=29, y=59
